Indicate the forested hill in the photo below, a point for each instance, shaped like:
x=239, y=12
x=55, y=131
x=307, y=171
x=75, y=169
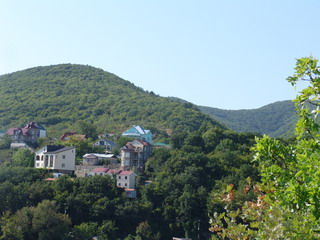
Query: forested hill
x=276, y=119
x=60, y=95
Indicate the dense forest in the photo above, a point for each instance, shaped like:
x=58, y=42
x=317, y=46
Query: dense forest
x=277, y=119
x=174, y=203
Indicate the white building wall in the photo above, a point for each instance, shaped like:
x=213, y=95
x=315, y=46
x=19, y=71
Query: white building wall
x=126, y=181
x=65, y=160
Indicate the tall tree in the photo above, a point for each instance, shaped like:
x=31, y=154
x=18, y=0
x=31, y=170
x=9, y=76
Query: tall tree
x=23, y=158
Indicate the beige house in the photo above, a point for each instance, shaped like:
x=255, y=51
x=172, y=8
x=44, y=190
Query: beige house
x=92, y=159
x=58, y=158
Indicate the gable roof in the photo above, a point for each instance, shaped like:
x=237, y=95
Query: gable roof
x=74, y=134
x=114, y=171
x=126, y=173
x=100, y=170
x=31, y=125
x=24, y=131
x=21, y=131
x=144, y=143
x=136, y=131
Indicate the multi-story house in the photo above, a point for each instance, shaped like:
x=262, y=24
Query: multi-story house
x=126, y=179
x=28, y=134
x=57, y=158
x=135, y=154
x=138, y=132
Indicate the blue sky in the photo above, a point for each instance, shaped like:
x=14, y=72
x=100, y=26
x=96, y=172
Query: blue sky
x=225, y=54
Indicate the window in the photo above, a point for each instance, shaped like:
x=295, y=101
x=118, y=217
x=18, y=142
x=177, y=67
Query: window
x=126, y=184
x=125, y=177
x=63, y=156
x=119, y=184
x=46, y=161
x=37, y=157
x=63, y=165
x=119, y=177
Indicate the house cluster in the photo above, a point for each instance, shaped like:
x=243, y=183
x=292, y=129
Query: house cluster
x=61, y=159
x=133, y=156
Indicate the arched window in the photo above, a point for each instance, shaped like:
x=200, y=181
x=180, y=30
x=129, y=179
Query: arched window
x=46, y=161
x=37, y=157
x=51, y=161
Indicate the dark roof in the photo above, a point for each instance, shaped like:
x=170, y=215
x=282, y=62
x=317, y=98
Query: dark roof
x=31, y=125
x=52, y=148
x=56, y=148
x=40, y=126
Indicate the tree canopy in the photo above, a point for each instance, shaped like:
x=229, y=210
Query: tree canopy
x=287, y=202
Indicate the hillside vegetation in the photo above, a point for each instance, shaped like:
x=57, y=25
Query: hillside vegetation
x=204, y=157
x=59, y=96
x=276, y=119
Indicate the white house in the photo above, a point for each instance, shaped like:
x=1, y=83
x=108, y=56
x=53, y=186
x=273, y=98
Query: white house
x=126, y=179
x=98, y=171
x=58, y=158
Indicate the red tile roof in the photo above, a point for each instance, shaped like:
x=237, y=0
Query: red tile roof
x=51, y=179
x=125, y=173
x=23, y=131
x=74, y=134
x=104, y=170
x=129, y=189
x=114, y=171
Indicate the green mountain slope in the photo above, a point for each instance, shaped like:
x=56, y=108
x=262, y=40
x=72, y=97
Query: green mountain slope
x=276, y=119
x=60, y=95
